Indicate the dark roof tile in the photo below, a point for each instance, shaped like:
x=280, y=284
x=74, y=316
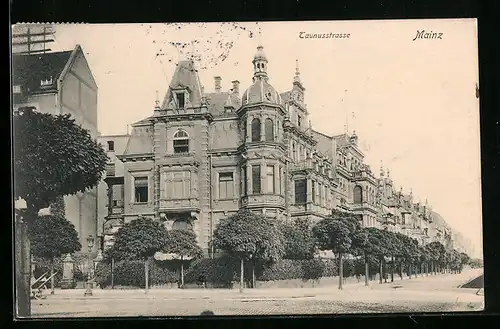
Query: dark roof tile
x=29, y=70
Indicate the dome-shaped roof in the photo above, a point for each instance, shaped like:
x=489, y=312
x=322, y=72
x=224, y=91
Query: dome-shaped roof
x=261, y=91
x=260, y=54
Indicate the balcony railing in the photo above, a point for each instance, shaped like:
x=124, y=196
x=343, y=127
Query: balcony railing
x=303, y=164
x=363, y=206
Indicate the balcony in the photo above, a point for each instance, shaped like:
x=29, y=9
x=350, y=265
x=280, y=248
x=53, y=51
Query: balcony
x=263, y=200
x=176, y=205
x=365, y=206
x=302, y=165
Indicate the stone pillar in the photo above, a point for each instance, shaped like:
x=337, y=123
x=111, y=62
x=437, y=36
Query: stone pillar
x=67, y=281
x=248, y=139
x=249, y=179
x=309, y=189
x=262, y=128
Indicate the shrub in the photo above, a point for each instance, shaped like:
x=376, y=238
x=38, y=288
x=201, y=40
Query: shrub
x=331, y=268
x=162, y=272
x=103, y=274
x=313, y=269
x=219, y=271
x=349, y=268
x=131, y=274
x=283, y=269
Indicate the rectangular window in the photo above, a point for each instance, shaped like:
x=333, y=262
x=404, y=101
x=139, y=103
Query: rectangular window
x=270, y=180
x=180, y=100
x=226, y=185
x=256, y=179
x=16, y=89
x=279, y=180
x=299, y=121
x=300, y=191
x=178, y=185
x=320, y=194
x=313, y=191
x=181, y=145
x=141, y=189
x=111, y=146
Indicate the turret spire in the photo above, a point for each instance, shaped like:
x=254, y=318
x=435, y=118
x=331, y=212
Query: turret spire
x=260, y=64
x=296, y=78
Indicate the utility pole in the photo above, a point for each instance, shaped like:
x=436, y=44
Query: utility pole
x=32, y=39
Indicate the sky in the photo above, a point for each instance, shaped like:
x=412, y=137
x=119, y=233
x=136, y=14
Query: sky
x=412, y=103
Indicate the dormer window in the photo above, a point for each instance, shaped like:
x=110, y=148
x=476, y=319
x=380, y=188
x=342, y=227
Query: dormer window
x=46, y=83
x=181, y=99
x=181, y=142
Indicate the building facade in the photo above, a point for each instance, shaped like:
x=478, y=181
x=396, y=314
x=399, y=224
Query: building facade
x=202, y=156
x=62, y=83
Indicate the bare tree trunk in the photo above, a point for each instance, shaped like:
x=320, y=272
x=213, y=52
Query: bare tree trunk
x=182, y=272
x=23, y=269
x=341, y=271
x=380, y=270
x=112, y=273
x=146, y=275
x=367, y=271
x=242, y=269
x=52, y=279
x=409, y=271
x=392, y=269
x=253, y=274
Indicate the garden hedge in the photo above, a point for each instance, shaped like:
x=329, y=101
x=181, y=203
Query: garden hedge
x=223, y=271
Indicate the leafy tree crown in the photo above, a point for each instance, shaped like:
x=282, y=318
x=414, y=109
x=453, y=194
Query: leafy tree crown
x=53, y=156
x=138, y=240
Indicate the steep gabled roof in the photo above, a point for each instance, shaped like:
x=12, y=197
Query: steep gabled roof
x=185, y=75
x=29, y=70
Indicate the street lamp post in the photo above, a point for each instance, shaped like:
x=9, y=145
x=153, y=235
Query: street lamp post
x=88, y=284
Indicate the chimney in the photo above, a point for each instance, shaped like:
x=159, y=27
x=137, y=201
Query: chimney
x=236, y=87
x=218, y=85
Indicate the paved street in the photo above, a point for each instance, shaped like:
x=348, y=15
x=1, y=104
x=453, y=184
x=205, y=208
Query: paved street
x=427, y=294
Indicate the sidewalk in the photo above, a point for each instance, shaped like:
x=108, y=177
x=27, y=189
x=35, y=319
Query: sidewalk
x=414, y=285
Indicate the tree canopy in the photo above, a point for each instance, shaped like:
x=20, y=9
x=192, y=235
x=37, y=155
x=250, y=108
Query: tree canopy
x=183, y=244
x=247, y=235
x=138, y=240
x=299, y=241
x=53, y=156
x=53, y=236
x=336, y=233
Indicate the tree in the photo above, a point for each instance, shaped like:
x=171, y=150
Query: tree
x=299, y=241
x=249, y=236
x=335, y=233
x=139, y=240
x=464, y=260
x=424, y=259
x=365, y=243
x=53, y=156
x=53, y=236
x=437, y=251
x=182, y=242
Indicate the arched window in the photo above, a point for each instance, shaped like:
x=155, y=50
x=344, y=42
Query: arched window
x=181, y=142
x=358, y=194
x=255, y=130
x=269, y=130
x=182, y=225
